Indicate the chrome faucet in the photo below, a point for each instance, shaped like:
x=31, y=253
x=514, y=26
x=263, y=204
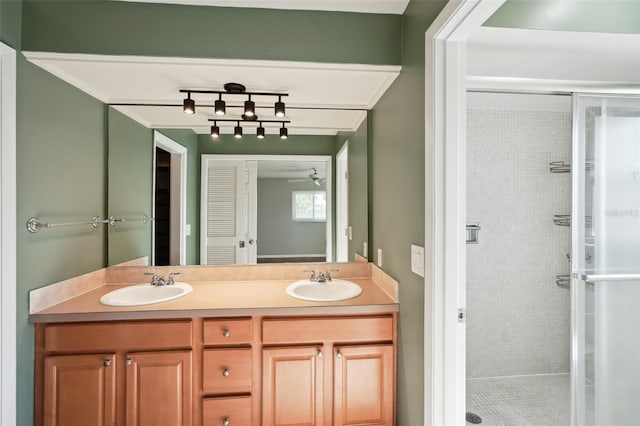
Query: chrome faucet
x=320, y=277
x=157, y=280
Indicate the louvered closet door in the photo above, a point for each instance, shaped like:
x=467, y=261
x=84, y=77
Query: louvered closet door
x=230, y=210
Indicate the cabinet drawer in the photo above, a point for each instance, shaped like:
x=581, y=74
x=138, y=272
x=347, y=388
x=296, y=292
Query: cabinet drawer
x=226, y=371
x=113, y=336
x=232, y=331
x=236, y=410
x=337, y=329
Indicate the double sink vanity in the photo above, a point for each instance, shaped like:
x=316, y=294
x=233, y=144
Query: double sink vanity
x=223, y=345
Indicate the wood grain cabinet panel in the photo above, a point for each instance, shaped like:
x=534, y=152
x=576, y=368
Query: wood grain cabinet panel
x=363, y=385
x=227, y=371
x=227, y=411
x=79, y=390
x=158, y=388
x=292, y=392
x=227, y=331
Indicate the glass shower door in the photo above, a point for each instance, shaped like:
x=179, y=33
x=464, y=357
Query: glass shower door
x=606, y=261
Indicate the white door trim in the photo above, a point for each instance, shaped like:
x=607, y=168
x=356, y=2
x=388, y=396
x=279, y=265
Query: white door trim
x=8, y=284
x=328, y=185
x=445, y=207
x=342, y=204
x=178, y=253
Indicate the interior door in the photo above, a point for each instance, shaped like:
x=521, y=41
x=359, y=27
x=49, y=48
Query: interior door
x=229, y=212
x=606, y=260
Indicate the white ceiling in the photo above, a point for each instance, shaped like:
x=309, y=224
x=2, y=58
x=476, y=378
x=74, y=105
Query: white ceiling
x=396, y=7
x=275, y=169
x=341, y=92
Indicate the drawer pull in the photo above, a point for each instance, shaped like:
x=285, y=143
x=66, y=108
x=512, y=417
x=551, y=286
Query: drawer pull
x=226, y=333
x=128, y=362
x=225, y=422
x=226, y=372
x=339, y=355
x=319, y=354
x=107, y=363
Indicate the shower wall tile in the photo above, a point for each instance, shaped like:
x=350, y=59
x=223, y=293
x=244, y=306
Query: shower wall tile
x=517, y=318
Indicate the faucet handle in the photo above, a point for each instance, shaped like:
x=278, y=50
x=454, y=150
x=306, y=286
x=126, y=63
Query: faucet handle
x=170, y=278
x=155, y=279
x=313, y=274
x=328, y=275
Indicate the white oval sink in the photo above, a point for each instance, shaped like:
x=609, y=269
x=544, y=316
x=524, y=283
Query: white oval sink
x=330, y=291
x=145, y=294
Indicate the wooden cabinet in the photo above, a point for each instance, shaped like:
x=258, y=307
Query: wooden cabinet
x=292, y=386
x=79, y=389
x=346, y=378
x=363, y=385
x=141, y=376
x=249, y=371
x=158, y=388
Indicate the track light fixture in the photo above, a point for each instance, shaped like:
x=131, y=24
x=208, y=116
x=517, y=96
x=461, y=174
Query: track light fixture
x=249, y=107
x=237, y=131
x=261, y=131
x=233, y=89
x=219, y=106
x=215, y=130
x=189, y=105
x=279, y=107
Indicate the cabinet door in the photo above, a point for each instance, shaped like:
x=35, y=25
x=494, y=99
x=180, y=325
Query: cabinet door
x=158, y=388
x=292, y=386
x=363, y=385
x=79, y=390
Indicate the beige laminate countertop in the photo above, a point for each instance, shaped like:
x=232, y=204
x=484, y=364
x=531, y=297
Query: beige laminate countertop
x=217, y=299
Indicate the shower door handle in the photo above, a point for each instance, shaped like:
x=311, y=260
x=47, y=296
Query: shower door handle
x=606, y=277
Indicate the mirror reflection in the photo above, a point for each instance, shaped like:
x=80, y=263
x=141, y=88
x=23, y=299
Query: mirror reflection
x=278, y=217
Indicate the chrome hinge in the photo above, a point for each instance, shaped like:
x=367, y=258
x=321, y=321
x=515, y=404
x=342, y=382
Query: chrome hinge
x=462, y=315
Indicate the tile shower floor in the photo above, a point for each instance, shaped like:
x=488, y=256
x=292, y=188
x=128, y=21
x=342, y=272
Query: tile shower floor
x=541, y=400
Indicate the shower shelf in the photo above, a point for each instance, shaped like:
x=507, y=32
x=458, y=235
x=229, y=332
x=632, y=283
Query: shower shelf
x=562, y=219
x=559, y=167
x=563, y=281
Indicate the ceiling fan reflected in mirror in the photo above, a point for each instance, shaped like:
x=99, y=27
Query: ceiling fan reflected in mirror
x=313, y=177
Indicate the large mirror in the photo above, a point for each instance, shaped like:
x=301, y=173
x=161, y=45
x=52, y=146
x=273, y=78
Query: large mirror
x=148, y=134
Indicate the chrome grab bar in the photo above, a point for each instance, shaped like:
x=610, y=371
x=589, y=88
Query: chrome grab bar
x=593, y=278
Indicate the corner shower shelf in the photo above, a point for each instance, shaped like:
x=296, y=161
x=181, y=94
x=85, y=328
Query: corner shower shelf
x=563, y=281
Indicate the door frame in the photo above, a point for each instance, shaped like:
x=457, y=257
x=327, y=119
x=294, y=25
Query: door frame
x=445, y=208
x=178, y=194
x=8, y=255
x=249, y=157
x=342, y=204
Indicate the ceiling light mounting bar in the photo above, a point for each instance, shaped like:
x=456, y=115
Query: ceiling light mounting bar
x=242, y=120
x=223, y=92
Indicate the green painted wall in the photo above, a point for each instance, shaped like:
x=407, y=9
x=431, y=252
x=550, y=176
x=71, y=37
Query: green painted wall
x=270, y=145
x=358, y=187
x=398, y=211
x=210, y=32
x=11, y=22
x=61, y=176
x=611, y=16
x=189, y=140
x=130, y=166
x=278, y=234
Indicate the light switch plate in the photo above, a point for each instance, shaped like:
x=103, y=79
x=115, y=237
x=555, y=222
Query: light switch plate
x=350, y=232
x=365, y=251
x=417, y=259
x=379, y=258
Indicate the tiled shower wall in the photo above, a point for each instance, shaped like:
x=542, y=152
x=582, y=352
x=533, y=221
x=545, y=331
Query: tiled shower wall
x=518, y=320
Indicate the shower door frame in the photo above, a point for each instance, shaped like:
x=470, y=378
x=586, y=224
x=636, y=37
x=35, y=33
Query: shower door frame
x=446, y=85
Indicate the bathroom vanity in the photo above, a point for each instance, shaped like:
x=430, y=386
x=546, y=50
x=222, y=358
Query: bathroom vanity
x=229, y=353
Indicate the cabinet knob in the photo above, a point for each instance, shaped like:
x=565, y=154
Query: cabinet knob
x=226, y=333
x=226, y=372
x=225, y=421
x=107, y=363
x=128, y=362
x=319, y=353
x=339, y=355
